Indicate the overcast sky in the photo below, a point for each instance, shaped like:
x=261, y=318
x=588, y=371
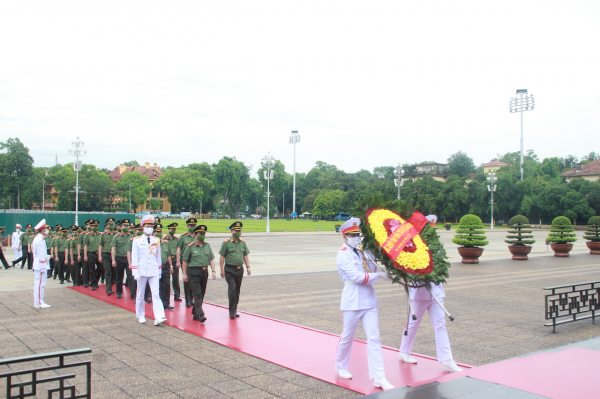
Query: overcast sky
x=366, y=83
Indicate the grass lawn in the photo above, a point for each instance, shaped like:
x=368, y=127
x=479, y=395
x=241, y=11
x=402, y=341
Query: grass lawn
x=255, y=225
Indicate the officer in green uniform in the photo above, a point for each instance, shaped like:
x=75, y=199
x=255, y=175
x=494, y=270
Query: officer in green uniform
x=50, y=250
x=122, y=241
x=184, y=240
x=91, y=253
x=2, y=257
x=173, y=243
x=23, y=244
x=197, y=257
x=75, y=274
x=85, y=272
x=60, y=245
x=105, y=250
x=234, y=253
x=32, y=234
x=164, y=283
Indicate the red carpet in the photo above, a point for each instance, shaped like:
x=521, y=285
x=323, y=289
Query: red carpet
x=567, y=374
x=302, y=349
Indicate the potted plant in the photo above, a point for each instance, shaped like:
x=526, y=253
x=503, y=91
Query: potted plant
x=448, y=226
x=519, y=237
x=593, y=235
x=337, y=227
x=470, y=236
x=561, y=236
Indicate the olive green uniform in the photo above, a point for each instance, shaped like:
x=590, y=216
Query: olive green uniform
x=75, y=267
x=198, y=257
x=173, y=244
x=234, y=272
x=92, y=240
x=164, y=284
x=49, y=239
x=120, y=242
x=60, y=246
x=85, y=273
x=30, y=253
x=184, y=240
x=106, y=242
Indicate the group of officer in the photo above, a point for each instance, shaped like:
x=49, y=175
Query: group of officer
x=83, y=256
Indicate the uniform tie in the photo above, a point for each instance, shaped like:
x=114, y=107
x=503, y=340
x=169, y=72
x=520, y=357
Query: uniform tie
x=148, y=240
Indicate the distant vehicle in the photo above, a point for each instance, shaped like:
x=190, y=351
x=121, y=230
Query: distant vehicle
x=185, y=215
x=140, y=215
x=165, y=215
x=342, y=216
x=255, y=216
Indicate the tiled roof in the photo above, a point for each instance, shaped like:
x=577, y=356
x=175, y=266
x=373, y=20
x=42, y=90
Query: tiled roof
x=153, y=172
x=495, y=163
x=590, y=168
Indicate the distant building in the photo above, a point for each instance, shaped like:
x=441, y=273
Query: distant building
x=492, y=166
x=589, y=171
x=153, y=173
x=435, y=170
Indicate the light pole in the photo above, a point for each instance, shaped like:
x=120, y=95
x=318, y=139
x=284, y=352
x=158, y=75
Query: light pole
x=77, y=151
x=520, y=104
x=491, y=188
x=267, y=163
x=129, y=197
x=399, y=172
x=294, y=138
x=44, y=192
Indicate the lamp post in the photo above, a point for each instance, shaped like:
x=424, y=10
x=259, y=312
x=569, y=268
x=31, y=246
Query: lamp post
x=491, y=188
x=294, y=138
x=77, y=151
x=399, y=182
x=520, y=104
x=267, y=163
x=44, y=192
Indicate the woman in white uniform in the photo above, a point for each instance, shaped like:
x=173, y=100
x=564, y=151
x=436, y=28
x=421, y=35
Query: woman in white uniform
x=359, y=303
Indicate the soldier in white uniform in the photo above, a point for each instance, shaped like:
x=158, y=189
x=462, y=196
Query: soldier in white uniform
x=359, y=303
x=146, y=265
x=15, y=242
x=40, y=264
x=421, y=301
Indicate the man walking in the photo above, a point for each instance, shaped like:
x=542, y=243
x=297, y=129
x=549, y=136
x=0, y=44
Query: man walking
x=197, y=257
x=234, y=253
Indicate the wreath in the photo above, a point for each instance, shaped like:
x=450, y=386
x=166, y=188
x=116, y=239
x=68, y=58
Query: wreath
x=420, y=257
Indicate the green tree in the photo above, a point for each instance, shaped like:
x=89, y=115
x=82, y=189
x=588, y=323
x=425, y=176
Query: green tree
x=140, y=188
x=231, y=180
x=460, y=164
x=131, y=163
x=454, y=197
x=16, y=165
x=278, y=184
x=310, y=200
x=423, y=194
x=329, y=203
x=185, y=188
x=154, y=204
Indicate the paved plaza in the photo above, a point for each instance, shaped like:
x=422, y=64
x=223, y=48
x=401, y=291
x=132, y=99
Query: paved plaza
x=498, y=305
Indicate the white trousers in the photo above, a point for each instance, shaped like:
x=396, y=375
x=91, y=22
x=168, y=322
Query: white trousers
x=18, y=252
x=370, y=322
x=140, y=304
x=39, y=285
x=438, y=320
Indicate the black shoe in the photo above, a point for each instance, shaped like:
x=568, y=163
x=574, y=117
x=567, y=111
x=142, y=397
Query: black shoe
x=192, y=303
x=178, y=299
x=68, y=281
x=85, y=285
x=169, y=307
x=202, y=319
x=187, y=304
x=74, y=285
x=148, y=300
x=232, y=317
x=237, y=315
x=102, y=280
x=119, y=296
x=21, y=267
x=62, y=282
x=93, y=288
x=131, y=297
x=109, y=292
x=196, y=318
x=54, y=278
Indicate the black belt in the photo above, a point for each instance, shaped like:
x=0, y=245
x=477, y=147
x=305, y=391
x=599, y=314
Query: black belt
x=237, y=267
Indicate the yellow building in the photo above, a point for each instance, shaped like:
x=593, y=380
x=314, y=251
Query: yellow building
x=492, y=166
x=153, y=173
x=589, y=171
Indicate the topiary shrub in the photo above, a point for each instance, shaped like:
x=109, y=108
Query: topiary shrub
x=469, y=232
x=593, y=231
x=519, y=233
x=561, y=231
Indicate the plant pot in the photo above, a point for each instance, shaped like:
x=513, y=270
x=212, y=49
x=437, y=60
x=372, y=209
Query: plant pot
x=448, y=227
x=337, y=228
x=470, y=255
x=561, y=250
x=594, y=247
x=519, y=252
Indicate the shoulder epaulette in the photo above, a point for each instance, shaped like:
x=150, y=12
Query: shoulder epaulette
x=242, y=240
x=226, y=240
x=131, y=239
x=190, y=244
x=136, y=237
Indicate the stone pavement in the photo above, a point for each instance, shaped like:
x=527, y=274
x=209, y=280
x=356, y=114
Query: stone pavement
x=498, y=305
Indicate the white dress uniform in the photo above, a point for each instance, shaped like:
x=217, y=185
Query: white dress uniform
x=421, y=301
x=359, y=303
x=145, y=266
x=16, y=244
x=40, y=266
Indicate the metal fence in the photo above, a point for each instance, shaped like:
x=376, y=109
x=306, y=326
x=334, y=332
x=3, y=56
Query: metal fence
x=17, y=389
x=568, y=303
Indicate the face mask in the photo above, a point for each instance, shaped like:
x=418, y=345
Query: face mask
x=46, y=232
x=64, y=234
x=111, y=228
x=18, y=230
x=172, y=233
x=200, y=238
x=148, y=230
x=237, y=235
x=159, y=235
x=95, y=229
x=125, y=230
x=353, y=241
x=89, y=228
x=191, y=229
x=138, y=233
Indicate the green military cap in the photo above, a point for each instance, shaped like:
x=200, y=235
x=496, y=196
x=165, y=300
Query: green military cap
x=109, y=220
x=51, y=229
x=80, y=228
x=29, y=226
x=157, y=219
x=89, y=221
x=158, y=227
x=191, y=221
x=63, y=230
x=200, y=229
x=94, y=222
x=173, y=225
x=236, y=226
x=138, y=227
x=125, y=221
x=73, y=228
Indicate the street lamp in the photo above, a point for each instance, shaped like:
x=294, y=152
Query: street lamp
x=44, y=192
x=399, y=182
x=294, y=138
x=268, y=163
x=491, y=188
x=520, y=104
x=77, y=151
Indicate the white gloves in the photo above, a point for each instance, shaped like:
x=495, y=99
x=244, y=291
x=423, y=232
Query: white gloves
x=384, y=276
x=48, y=257
x=136, y=277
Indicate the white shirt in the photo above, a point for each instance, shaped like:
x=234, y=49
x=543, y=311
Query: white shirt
x=14, y=242
x=39, y=250
x=358, y=293
x=421, y=294
x=145, y=258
